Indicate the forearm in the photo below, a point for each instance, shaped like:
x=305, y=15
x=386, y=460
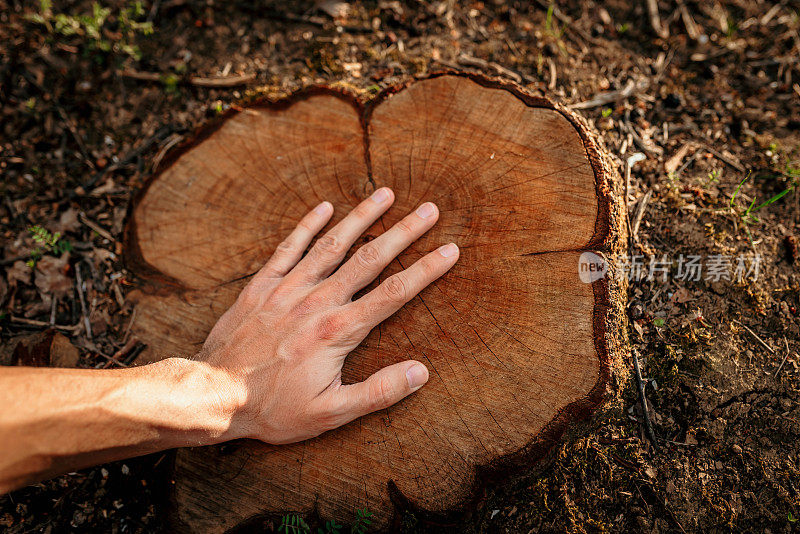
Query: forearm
x=57, y=420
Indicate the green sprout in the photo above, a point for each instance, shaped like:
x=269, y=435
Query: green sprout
x=48, y=243
x=102, y=30
x=295, y=524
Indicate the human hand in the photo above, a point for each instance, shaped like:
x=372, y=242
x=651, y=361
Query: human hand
x=285, y=339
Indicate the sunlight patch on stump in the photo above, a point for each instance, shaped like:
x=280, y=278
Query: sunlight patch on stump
x=517, y=346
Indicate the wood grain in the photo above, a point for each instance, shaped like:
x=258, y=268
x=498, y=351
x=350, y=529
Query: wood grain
x=518, y=347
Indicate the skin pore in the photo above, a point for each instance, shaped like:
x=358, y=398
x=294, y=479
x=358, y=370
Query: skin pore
x=269, y=370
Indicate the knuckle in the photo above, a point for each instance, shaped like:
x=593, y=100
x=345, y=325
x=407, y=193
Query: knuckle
x=429, y=267
x=249, y=296
x=309, y=304
x=404, y=227
x=329, y=244
x=395, y=289
x=303, y=225
x=369, y=256
x=330, y=327
x=361, y=212
x=285, y=246
x=328, y=420
x=382, y=394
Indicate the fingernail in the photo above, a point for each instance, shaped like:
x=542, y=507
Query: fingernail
x=380, y=196
x=323, y=208
x=426, y=210
x=448, y=250
x=416, y=375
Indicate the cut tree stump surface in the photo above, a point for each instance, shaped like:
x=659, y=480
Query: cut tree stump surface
x=517, y=346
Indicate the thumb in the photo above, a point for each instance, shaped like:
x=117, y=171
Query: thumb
x=382, y=389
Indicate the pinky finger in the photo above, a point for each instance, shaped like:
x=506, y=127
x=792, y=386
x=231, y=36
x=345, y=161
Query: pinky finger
x=291, y=249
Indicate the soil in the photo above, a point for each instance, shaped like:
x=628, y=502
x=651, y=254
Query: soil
x=714, y=108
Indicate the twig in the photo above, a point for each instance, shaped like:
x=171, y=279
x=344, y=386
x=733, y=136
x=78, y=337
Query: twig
x=784, y=357
x=198, y=81
x=471, y=61
x=79, y=287
x=691, y=26
x=640, y=384
x=553, y=74
x=724, y=159
x=640, y=209
x=226, y=81
x=53, y=306
x=569, y=24
x=755, y=336
x=173, y=140
x=130, y=156
x=70, y=126
x=135, y=353
x=678, y=443
x=125, y=350
x=128, y=328
x=314, y=21
x=110, y=359
x=655, y=19
x=96, y=227
x=33, y=322
x=653, y=150
x=607, y=97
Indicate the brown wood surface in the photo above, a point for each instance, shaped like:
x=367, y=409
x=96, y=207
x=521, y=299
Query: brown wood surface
x=517, y=345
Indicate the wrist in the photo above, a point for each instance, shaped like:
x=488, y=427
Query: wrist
x=208, y=397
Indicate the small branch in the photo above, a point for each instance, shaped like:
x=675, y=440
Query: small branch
x=640, y=209
x=198, y=81
x=607, y=97
x=109, y=360
x=764, y=343
x=784, y=357
x=96, y=227
x=471, y=61
x=79, y=287
x=129, y=157
x=651, y=149
x=219, y=81
x=43, y=324
x=726, y=160
x=640, y=384
x=655, y=19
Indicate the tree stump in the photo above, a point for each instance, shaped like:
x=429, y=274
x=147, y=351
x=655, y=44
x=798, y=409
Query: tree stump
x=518, y=346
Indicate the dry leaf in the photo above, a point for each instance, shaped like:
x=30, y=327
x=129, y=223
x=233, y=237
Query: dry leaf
x=68, y=222
x=19, y=272
x=682, y=296
x=334, y=8
x=51, y=275
x=42, y=349
x=674, y=161
x=62, y=352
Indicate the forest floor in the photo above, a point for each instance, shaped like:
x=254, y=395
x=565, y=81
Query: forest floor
x=709, y=94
